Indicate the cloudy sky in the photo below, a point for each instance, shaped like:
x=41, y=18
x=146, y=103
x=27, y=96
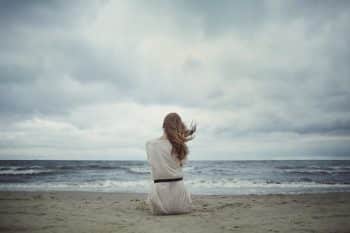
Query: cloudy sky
x=94, y=79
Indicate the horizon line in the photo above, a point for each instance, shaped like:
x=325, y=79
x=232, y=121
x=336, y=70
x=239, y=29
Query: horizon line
x=188, y=160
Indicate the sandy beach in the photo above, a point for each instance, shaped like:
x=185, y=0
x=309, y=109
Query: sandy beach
x=125, y=212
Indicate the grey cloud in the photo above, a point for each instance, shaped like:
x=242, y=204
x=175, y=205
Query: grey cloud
x=50, y=68
x=44, y=14
x=34, y=66
x=245, y=18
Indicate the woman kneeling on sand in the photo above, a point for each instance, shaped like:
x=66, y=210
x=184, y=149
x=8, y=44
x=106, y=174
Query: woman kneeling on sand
x=166, y=156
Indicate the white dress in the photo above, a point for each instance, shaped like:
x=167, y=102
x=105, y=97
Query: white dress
x=166, y=197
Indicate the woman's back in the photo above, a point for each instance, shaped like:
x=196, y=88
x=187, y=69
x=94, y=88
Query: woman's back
x=170, y=197
x=163, y=164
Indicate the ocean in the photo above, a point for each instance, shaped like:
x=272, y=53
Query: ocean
x=200, y=177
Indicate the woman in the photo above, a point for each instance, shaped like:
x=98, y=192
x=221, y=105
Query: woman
x=166, y=156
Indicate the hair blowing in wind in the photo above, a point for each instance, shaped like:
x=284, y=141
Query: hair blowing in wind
x=178, y=134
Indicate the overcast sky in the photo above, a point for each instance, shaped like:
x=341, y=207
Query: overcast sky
x=95, y=79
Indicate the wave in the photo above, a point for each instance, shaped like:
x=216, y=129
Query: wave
x=35, y=170
x=130, y=169
x=309, y=172
x=103, y=186
x=87, y=167
x=262, y=184
x=317, y=172
x=138, y=170
x=312, y=168
x=24, y=172
x=290, y=167
x=198, y=186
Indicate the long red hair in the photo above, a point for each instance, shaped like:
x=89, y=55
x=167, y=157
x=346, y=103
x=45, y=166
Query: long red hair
x=178, y=134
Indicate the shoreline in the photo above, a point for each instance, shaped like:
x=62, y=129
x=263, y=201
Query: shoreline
x=193, y=195
x=199, y=195
x=81, y=211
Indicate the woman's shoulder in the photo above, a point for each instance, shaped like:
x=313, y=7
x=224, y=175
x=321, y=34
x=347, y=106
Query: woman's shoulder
x=152, y=141
x=156, y=141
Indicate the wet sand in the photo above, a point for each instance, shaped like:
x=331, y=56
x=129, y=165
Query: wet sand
x=125, y=212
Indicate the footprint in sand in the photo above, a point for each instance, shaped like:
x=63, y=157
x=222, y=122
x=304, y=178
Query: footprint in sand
x=36, y=197
x=142, y=205
x=233, y=205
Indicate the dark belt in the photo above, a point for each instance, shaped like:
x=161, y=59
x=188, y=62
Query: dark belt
x=167, y=180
